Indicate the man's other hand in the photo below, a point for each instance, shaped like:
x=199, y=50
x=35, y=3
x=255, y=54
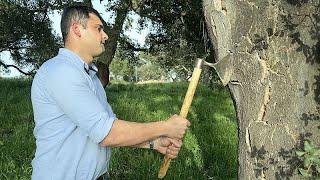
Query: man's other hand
x=168, y=146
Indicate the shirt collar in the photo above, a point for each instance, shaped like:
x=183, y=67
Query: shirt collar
x=76, y=60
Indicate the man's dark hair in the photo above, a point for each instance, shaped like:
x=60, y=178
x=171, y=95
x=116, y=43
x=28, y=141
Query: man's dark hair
x=78, y=13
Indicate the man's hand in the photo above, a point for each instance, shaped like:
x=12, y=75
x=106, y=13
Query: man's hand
x=168, y=146
x=176, y=127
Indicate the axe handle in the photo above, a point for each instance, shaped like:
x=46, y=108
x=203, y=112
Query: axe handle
x=183, y=113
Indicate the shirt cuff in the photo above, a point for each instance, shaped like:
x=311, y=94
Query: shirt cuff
x=103, y=127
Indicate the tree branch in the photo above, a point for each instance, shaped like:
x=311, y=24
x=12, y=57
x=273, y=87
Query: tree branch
x=133, y=48
x=6, y=66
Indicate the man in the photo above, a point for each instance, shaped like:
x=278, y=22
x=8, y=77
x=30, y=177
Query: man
x=74, y=124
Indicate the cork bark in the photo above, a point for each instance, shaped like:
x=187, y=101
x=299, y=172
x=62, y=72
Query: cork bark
x=275, y=81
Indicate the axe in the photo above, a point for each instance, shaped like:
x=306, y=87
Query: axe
x=224, y=71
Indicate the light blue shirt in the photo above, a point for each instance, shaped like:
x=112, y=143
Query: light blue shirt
x=72, y=116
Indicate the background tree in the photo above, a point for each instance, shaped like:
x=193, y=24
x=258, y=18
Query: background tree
x=178, y=34
x=275, y=82
x=150, y=71
x=120, y=68
x=177, y=37
x=26, y=33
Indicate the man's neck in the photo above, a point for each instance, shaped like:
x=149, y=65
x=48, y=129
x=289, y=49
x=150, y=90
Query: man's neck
x=85, y=57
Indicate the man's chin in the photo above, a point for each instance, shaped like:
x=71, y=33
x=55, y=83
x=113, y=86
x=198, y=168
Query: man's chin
x=102, y=49
x=99, y=53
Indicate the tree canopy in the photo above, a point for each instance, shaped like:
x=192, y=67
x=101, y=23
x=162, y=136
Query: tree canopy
x=26, y=32
x=177, y=35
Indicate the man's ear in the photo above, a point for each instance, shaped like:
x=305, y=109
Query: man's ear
x=75, y=28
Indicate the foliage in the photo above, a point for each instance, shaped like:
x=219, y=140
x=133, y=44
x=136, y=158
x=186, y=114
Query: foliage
x=121, y=68
x=209, y=150
x=126, y=53
x=311, y=160
x=178, y=33
x=177, y=37
x=145, y=68
x=169, y=66
x=150, y=72
x=26, y=31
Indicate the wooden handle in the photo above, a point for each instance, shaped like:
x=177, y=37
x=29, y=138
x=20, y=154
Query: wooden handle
x=183, y=113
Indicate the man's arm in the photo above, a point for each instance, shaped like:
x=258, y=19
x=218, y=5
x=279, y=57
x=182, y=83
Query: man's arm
x=75, y=98
x=124, y=133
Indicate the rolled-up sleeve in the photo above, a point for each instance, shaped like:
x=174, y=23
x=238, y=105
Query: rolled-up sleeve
x=71, y=91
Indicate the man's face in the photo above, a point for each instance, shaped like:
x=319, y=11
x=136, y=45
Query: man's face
x=93, y=37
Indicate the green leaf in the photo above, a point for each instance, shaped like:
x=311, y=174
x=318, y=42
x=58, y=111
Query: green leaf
x=307, y=161
x=307, y=146
x=316, y=152
x=316, y=161
x=300, y=153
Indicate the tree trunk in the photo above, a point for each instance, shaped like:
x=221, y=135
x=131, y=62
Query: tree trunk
x=103, y=73
x=275, y=82
x=114, y=33
x=103, y=68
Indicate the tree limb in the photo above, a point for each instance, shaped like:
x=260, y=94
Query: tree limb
x=6, y=66
x=130, y=46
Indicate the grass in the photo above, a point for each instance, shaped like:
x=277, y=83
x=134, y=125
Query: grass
x=209, y=150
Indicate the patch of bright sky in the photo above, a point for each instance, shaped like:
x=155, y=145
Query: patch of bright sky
x=137, y=36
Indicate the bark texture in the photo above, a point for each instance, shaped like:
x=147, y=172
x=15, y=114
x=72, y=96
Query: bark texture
x=275, y=81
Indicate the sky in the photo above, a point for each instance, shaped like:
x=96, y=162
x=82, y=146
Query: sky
x=133, y=33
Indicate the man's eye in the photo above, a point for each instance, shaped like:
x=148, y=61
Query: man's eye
x=99, y=29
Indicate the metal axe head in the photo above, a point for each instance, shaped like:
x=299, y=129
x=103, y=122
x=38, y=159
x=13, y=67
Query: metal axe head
x=223, y=67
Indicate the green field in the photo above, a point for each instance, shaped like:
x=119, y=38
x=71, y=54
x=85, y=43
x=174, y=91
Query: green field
x=209, y=150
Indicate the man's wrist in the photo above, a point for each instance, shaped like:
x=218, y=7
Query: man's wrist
x=164, y=129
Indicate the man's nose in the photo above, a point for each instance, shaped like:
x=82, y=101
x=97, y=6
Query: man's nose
x=105, y=36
